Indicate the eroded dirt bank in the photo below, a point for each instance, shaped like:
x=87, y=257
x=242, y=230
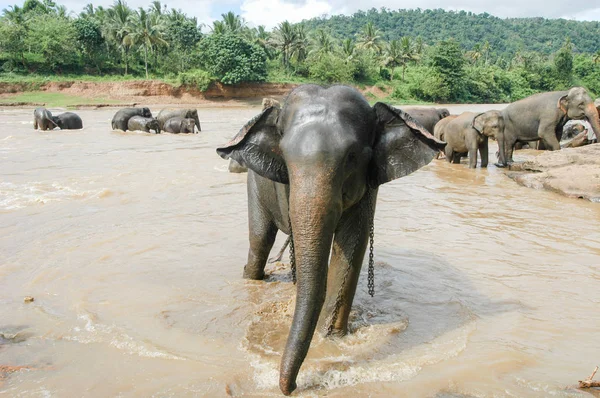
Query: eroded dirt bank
x=572, y=172
x=156, y=92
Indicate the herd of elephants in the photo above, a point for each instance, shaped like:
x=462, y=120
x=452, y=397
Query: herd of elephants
x=314, y=168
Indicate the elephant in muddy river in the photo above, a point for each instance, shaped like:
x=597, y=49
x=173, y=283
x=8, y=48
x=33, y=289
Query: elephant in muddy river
x=140, y=123
x=468, y=133
x=42, y=119
x=542, y=117
x=428, y=117
x=121, y=118
x=328, y=141
x=170, y=113
x=68, y=121
x=179, y=125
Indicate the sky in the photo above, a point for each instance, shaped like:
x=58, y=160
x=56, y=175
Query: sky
x=271, y=12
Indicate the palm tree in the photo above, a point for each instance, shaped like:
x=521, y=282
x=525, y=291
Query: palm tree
x=322, y=44
x=14, y=14
x=400, y=53
x=233, y=23
x=146, y=32
x=285, y=38
x=300, y=48
x=485, y=50
x=370, y=38
x=348, y=48
x=596, y=57
x=475, y=53
x=157, y=8
x=218, y=28
x=117, y=28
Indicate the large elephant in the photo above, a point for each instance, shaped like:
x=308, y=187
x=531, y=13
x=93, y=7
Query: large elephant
x=428, y=117
x=469, y=133
x=140, y=123
x=178, y=125
x=542, y=117
x=170, y=113
x=68, y=121
x=42, y=119
x=314, y=171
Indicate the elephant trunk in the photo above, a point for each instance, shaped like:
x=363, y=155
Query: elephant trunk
x=591, y=113
x=314, y=214
x=197, y=120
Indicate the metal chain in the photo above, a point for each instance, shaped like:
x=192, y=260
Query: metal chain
x=371, y=278
x=292, y=254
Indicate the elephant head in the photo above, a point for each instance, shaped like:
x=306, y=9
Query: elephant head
x=572, y=130
x=187, y=126
x=193, y=114
x=489, y=123
x=577, y=104
x=146, y=112
x=443, y=112
x=153, y=125
x=331, y=147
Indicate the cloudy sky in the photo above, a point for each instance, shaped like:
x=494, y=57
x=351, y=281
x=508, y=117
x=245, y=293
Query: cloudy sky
x=271, y=12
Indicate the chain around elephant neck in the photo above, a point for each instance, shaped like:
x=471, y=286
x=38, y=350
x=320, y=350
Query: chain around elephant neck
x=292, y=253
x=371, y=276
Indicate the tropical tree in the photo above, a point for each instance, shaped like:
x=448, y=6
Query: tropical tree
x=117, y=28
x=233, y=23
x=348, y=48
x=147, y=31
x=370, y=38
x=285, y=39
x=322, y=44
x=399, y=53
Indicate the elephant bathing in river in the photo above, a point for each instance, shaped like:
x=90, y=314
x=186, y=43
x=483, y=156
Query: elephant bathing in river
x=140, y=123
x=314, y=171
x=167, y=114
x=121, y=118
x=428, y=117
x=42, y=119
x=468, y=133
x=68, y=121
x=178, y=125
x=542, y=117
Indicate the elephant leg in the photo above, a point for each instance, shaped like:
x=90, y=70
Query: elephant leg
x=548, y=135
x=501, y=154
x=348, y=250
x=262, y=233
x=473, y=157
x=456, y=158
x=449, y=153
x=484, y=153
x=35, y=124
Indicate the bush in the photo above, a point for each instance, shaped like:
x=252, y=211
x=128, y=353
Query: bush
x=198, y=78
x=330, y=68
x=232, y=59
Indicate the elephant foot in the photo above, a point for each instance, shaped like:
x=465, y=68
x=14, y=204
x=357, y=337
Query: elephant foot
x=287, y=386
x=256, y=275
x=500, y=165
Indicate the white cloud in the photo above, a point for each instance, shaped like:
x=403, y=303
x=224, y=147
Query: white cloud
x=271, y=12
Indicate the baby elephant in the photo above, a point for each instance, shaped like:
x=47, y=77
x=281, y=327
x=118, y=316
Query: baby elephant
x=42, y=119
x=140, y=123
x=178, y=125
x=469, y=133
x=68, y=121
x=121, y=118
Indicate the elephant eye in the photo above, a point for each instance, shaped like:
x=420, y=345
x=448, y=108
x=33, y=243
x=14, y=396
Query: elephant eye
x=351, y=157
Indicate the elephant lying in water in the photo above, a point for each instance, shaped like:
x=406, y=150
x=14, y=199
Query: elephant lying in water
x=168, y=113
x=330, y=141
x=140, y=123
x=542, y=117
x=177, y=125
x=42, y=119
x=121, y=118
x=68, y=121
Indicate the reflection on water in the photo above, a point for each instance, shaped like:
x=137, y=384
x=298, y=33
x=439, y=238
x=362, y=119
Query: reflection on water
x=133, y=246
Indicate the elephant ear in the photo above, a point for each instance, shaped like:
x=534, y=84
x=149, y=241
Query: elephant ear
x=563, y=103
x=402, y=145
x=478, y=123
x=256, y=147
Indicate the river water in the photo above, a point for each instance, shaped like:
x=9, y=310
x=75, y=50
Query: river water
x=133, y=245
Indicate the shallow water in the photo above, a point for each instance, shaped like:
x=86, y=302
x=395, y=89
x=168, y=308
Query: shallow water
x=133, y=246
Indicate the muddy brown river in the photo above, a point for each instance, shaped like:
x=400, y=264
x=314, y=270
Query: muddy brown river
x=133, y=245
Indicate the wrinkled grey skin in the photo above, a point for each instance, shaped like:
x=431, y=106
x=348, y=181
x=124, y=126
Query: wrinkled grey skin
x=235, y=167
x=428, y=117
x=68, y=121
x=140, y=123
x=468, y=133
x=121, y=118
x=542, y=117
x=178, y=125
x=318, y=163
x=42, y=119
x=169, y=113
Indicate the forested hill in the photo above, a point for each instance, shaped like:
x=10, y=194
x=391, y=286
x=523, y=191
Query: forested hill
x=505, y=36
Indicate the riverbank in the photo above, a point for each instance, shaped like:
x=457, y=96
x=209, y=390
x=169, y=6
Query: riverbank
x=571, y=172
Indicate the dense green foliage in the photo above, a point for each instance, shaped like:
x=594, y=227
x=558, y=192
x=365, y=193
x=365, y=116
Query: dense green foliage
x=423, y=55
